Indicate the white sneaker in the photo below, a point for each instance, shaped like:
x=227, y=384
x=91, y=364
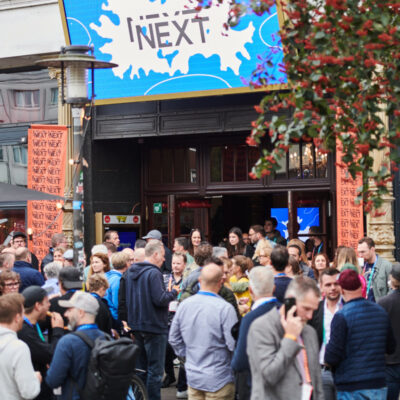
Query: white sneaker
x=182, y=395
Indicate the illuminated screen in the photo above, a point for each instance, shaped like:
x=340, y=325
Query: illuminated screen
x=166, y=47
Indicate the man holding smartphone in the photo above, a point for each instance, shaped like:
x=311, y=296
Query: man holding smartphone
x=283, y=350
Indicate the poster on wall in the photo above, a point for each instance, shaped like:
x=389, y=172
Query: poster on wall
x=47, y=152
x=350, y=217
x=169, y=49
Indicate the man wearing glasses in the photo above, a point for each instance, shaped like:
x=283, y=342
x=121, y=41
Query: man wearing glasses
x=19, y=240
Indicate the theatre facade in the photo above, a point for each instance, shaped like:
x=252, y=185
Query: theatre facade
x=167, y=148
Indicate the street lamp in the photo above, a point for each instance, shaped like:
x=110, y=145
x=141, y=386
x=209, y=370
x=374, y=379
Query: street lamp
x=76, y=61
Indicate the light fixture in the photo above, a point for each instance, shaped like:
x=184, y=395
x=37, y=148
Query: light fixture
x=76, y=61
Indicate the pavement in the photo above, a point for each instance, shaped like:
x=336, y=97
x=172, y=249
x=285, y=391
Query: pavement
x=170, y=392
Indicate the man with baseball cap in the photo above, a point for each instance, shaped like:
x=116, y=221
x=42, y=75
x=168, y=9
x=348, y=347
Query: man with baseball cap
x=361, y=334
x=36, y=307
x=391, y=303
x=156, y=235
x=69, y=281
x=70, y=361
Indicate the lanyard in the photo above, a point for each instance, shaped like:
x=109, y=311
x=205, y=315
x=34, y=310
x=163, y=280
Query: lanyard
x=87, y=326
x=71, y=291
x=206, y=293
x=39, y=331
x=280, y=274
x=318, y=250
x=370, y=275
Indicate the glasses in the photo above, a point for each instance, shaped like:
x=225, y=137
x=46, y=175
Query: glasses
x=11, y=284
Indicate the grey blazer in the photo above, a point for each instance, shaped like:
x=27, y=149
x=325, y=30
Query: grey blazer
x=381, y=277
x=275, y=371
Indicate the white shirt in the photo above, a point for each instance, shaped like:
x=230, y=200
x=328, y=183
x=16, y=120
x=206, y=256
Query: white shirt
x=328, y=317
x=260, y=301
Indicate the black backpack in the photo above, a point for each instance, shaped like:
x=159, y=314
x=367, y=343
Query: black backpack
x=111, y=367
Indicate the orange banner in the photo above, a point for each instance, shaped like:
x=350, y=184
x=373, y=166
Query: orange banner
x=350, y=218
x=47, y=152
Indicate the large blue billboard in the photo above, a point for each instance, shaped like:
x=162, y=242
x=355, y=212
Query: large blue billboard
x=168, y=49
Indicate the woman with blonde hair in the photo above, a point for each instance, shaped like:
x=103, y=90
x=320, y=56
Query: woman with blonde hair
x=263, y=252
x=347, y=258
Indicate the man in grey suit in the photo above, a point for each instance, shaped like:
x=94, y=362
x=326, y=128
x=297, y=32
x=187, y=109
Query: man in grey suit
x=283, y=350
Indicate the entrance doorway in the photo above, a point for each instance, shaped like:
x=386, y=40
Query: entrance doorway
x=215, y=215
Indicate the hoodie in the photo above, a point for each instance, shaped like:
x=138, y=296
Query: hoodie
x=17, y=377
x=147, y=299
x=114, y=277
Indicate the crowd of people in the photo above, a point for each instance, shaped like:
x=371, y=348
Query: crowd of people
x=256, y=317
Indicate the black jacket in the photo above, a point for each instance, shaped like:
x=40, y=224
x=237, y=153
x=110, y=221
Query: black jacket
x=317, y=321
x=41, y=353
x=103, y=317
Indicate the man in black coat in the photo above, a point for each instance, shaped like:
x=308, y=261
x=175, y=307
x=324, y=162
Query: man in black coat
x=69, y=282
x=36, y=306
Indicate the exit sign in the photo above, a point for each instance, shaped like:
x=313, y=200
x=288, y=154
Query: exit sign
x=157, y=208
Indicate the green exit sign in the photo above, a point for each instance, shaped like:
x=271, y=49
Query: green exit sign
x=157, y=208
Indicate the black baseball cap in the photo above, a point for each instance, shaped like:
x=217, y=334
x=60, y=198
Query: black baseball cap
x=70, y=277
x=33, y=295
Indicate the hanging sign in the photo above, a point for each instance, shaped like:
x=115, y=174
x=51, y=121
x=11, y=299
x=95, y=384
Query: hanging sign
x=47, y=152
x=170, y=49
x=350, y=217
x=121, y=219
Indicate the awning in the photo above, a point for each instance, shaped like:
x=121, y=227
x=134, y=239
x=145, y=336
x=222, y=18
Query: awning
x=11, y=135
x=10, y=193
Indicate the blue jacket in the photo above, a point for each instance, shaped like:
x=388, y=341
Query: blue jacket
x=29, y=275
x=114, y=277
x=361, y=335
x=240, y=361
x=69, y=363
x=146, y=298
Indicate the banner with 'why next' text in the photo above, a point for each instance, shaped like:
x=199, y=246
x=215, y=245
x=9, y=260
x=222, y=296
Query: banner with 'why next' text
x=47, y=152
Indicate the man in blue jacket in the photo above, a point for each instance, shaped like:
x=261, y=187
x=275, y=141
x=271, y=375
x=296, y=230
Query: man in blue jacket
x=361, y=334
x=71, y=357
x=261, y=286
x=23, y=265
x=147, y=303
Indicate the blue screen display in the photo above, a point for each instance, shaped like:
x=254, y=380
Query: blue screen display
x=164, y=47
x=306, y=217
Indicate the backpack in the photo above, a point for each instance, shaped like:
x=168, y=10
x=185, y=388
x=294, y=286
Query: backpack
x=110, y=369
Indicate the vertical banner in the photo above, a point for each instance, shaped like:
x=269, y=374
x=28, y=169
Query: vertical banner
x=47, y=152
x=349, y=215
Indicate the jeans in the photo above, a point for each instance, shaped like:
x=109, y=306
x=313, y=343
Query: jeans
x=366, y=394
x=328, y=385
x=393, y=381
x=151, y=359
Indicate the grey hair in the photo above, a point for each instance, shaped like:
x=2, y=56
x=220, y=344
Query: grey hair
x=99, y=248
x=300, y=286
x=261, y=280
x=219, y=252
x=153, y=246
x=52, y=270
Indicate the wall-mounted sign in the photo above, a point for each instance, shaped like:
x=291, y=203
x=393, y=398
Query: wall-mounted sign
x=157, y=208
x=47, y=153
x=350, y=217
x=168, y=49
x=121, y=219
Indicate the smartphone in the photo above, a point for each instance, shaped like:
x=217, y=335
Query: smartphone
x=288, y=304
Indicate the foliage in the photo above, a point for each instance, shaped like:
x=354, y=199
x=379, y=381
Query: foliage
x=342, y=60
